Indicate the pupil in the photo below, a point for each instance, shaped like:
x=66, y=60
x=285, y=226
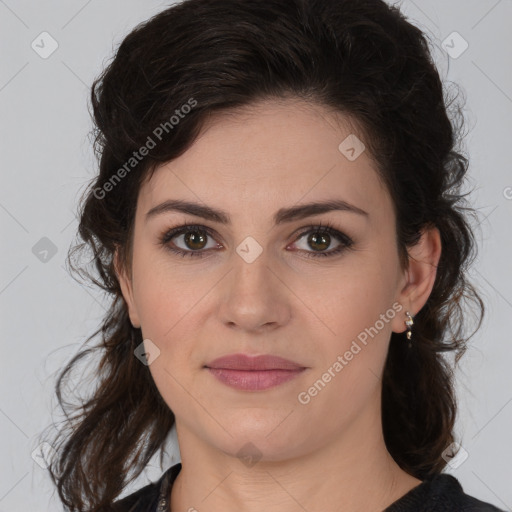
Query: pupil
x=315, y=240
x=194, y=237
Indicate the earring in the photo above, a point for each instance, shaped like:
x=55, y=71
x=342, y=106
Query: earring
x=409, y=323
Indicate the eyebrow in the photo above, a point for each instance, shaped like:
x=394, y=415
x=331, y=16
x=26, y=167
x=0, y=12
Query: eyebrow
x=282, y=216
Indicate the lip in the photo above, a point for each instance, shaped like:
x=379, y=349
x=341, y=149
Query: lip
x=253, y=363
x=254, y=380
x=254, y=373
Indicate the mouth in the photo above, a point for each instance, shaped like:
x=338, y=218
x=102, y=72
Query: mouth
x=254, y=373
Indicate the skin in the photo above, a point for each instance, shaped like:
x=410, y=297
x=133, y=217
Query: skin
x=315, y=456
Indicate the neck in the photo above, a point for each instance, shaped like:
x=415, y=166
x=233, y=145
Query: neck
x=353, y=472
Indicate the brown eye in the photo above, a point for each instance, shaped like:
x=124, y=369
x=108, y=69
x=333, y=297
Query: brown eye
x=195, y=240
x=320, y=238
x=188, y=240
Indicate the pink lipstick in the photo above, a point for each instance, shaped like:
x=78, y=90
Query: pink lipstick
x=254, y=373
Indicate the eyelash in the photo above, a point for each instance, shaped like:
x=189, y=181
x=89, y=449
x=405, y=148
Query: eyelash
x=345, y=241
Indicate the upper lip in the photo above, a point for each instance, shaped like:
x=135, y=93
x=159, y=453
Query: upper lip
x=248, y=362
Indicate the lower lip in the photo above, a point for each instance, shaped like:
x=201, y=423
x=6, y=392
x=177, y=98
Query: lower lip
x=254, y=380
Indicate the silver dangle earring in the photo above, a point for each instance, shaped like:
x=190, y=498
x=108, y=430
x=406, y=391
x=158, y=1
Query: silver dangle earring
x=409, y=323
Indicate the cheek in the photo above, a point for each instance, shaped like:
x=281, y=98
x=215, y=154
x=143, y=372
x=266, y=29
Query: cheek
x=348, y=300
x=163, y=295
x=170, y=304
x=357, y=322
x=350, y=362
x=167, y=319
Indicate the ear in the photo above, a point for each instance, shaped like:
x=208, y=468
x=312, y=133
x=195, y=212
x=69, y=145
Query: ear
x=126, y=287
x=418, y=280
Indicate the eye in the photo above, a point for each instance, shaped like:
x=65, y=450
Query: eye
x=320, y=238
x=195, y=240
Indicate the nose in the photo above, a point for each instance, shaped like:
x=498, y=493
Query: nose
x=254, y=297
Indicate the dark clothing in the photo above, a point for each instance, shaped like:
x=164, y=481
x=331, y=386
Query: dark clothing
x=441, y=493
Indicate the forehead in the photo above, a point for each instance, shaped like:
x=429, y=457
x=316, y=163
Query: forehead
x=266, y=156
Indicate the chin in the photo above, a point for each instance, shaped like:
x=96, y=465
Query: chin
x=259, y=445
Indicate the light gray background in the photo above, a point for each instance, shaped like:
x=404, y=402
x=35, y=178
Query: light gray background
x=46, y=161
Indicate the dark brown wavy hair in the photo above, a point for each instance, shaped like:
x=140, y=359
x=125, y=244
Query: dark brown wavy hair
x=360, y=58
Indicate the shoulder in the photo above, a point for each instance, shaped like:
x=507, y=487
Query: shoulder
x=448, y=491
x=440, y=493
x=148, y=497
x=142, y=500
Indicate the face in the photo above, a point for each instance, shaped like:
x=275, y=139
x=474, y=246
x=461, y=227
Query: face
x=248, y=284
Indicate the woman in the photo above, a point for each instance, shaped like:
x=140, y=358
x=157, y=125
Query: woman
x=277, y=219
